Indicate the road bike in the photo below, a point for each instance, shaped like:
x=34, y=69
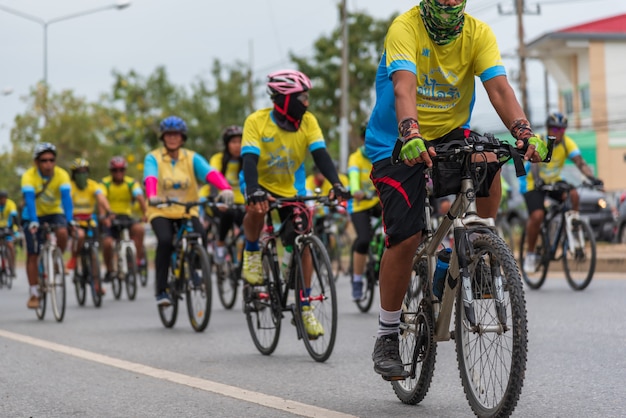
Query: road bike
x=7, y=270
x=482, y=282
x=189, y=275
x=87, y=270
x=51, y=274
x=562, y=236
x=124, y=259
x=265, y=305
x=228, y=272
x=372, y=265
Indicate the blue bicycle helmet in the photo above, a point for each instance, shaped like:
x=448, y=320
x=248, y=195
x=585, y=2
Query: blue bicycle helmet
x=556, y=120
x=173, y=124
x=42, y=148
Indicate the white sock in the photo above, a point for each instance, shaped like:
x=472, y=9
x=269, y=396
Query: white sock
x=357, y=278
x=220, y=251
x=388, y=322
x=34, y=291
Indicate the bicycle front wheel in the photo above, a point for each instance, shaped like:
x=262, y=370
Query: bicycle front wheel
x=579, y=257
x=131, y=276
x=418, y=349
x=169, y=313
x=491, y=328
x=227, y=280
x=43, y=288
x=262, y=305
x=370, y=278
x=197, y=269
x=535, y=279
x=57, y=285
x=317, y=303
x=79, y=287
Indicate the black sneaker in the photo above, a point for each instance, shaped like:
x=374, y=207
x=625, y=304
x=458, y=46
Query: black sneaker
x=387, y=361
x=108, y=277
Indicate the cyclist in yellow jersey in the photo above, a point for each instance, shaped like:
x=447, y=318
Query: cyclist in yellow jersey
x=564, y=148
x=432, y=56
x=173, y=172
x=90, y=204
x=228, y=162
x=8, y=219
x=275, y=143
x=365, y=205
x=122, y=193
x=46, y=191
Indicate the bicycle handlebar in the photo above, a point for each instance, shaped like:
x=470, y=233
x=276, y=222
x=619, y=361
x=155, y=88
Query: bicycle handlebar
x=284, y=201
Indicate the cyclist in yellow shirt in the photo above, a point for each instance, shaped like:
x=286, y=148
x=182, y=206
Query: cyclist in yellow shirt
x=228, y=162
x=46, y=190
x=89, y=202
x=122, y=193
x=8, y=218
x=173, y=172
x=275, y=143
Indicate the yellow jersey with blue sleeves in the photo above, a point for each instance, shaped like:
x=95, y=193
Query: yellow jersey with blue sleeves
x=8, y=213
x=177, y=180
x=445, y=79
x=232, y=175
x=311, y=184
x=85, y=200
x=360, y=165
x=48, y=202
x=122, y=196
x=281, y=153
x=551, y=172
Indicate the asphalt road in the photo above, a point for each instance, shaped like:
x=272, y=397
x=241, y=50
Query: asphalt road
x=119, y=361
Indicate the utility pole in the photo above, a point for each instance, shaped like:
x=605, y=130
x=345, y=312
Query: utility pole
x=345, y=103
x=521, y=49
x=249, y=80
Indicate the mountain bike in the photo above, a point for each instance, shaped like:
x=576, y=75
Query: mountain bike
x=51, y=276
x=6, y=267
x=227, y=273
x=372, y=265
x=189, y=275
x=87, y=271
x=265, y=305
x=125, y=259
x=482, y=282
x=564, y=237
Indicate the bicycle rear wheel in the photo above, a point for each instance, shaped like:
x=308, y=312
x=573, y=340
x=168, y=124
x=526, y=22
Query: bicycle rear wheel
x=57, y=285
x=535, y=279
x=262, y=305
x=322, y=300
x=370, y=279
x=227, y=280
x=418, y=348
x=131, y=276
x=168, y=314
x=43, y=288
x=143, y=275
x=197, y=270
x=91, y=269
x=491, y=351
x=579, y=259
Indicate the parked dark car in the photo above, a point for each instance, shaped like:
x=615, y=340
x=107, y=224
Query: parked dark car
x=596, y=206
x=621, y=220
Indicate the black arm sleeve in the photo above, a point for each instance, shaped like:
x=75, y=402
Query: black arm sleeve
x=325, y=164
x=250, y=173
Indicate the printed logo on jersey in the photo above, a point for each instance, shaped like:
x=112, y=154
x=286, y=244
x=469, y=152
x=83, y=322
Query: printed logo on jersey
x=266, y=139
x=438, y=90
x=280, y=161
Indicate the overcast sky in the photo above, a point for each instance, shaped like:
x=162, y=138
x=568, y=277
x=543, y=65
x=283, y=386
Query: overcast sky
x=187, y=35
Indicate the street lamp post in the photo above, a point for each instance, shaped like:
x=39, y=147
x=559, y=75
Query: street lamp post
x=119, y=5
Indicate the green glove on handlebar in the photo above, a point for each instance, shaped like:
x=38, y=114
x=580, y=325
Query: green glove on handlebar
x=412, y=148
x=540, y=146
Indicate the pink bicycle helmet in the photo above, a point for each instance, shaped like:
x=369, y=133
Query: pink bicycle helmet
x=287, y=82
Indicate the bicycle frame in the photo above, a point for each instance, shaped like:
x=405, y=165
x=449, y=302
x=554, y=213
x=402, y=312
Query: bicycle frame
x=121, y=246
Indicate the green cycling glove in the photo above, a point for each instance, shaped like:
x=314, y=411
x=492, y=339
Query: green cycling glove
x=540, y=146
x=412, y=148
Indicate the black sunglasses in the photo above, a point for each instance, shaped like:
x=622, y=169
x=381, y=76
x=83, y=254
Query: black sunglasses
x=46, y=160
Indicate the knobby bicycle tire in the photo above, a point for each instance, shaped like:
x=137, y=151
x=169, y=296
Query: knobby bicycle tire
x=418, y=348
x=57, y=285
x=323, y=299
x=198, y=291
x=580, y=266
x=262, y=304
x=542, y=250
x=492, y=364
x=131, y=275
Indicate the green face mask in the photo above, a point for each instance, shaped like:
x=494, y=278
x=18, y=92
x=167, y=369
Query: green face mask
x=81, y=180
x=443, y=23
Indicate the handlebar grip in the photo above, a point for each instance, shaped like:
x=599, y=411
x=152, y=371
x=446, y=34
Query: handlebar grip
x=551, y=139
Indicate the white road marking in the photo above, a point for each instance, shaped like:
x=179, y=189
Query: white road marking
x=286, y=405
